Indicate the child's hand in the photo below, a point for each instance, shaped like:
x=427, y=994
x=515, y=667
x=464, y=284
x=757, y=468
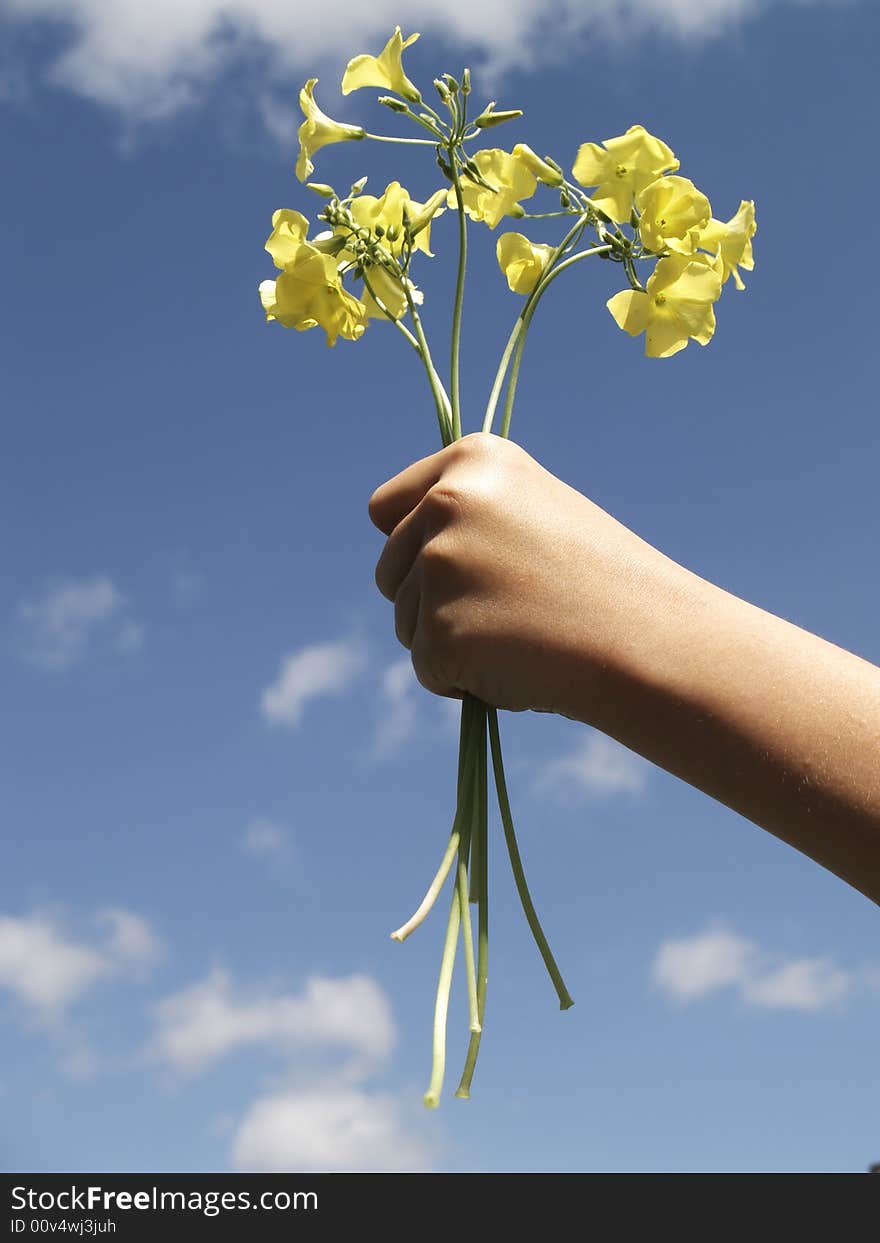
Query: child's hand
x=508, y=583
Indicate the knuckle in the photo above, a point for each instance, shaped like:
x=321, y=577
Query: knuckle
x=480, y=445
x=436, y=555
x=442, y=498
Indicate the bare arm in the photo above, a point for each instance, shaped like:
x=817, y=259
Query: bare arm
x=511, y=585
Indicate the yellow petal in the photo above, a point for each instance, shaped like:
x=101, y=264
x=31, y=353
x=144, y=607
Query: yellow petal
x=318, y=130
x=673, y=212
x=590, y=164
x=522, y=261
x=665, y=336
x=539, y=168
x=631, y=310
x=388, y=290
x=510, y=181
x=289, y=229
x=384, y=70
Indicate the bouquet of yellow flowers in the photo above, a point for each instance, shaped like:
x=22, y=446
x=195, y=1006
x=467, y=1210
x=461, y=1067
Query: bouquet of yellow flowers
x=627, y=197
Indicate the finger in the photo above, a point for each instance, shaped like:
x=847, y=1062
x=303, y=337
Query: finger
x=401, y=549
x=406, y=608
x=391, y=502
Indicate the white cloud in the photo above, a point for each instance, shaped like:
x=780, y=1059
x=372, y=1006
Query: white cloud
x=151, y=60
x=692, y=967
x=264, y=839
x=321, y=669
x=332, y=1130
x=806, y=984
x=48, y=970
x=398, y=709
x=130, y=939
x=62, y=621
x=42, y=967
x=211, y=1019
x=695, y=966
x=597, y=765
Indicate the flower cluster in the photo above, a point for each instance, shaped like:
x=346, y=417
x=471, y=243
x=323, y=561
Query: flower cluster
x=357, y=268
x=642, y=209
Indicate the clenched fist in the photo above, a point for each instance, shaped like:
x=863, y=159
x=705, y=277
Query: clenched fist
x=506, y=582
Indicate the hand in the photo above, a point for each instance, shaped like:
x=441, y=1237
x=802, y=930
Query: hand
x=506, y=582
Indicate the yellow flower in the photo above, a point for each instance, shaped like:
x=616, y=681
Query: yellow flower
x=387, y=211
x=627, y=164
x=389, y=290
x=676, y=307
x=317, y=130
x=522, y=262
x=289, y=229
x=309, y=292
x=384, y=70
x=540, y=168
x=673, y=211
x=510, y=179
x=733, y=241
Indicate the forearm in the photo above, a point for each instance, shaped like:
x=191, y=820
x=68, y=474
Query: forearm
x=761, y=715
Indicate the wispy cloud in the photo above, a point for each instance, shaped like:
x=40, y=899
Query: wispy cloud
x=310, y=673
x=48, y=970
x=130, y=637
x=329, y=1130
x=60, y=624
x=397, y=709
x=689, y=968
x=130, y=939
x=149, y=61
x=207, y=1021
x=266, y=839
x=597, y=766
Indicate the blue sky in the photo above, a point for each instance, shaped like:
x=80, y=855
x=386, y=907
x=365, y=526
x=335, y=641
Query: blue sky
x=222, y=788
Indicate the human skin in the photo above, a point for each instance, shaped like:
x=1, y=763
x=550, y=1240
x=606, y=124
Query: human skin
x=512, y=586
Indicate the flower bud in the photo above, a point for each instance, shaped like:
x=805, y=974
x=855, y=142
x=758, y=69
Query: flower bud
x=326, y=192
x=443, y=91
x=537, y=167
x=487, y=119
x=396, y=105
x=329, y=243
x=426, y=215
x=466, y=82
x=358, y=186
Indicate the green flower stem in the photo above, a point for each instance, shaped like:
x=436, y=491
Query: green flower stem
x=529, y=312
x=565, y=1000
x=441, y=1005
x=455, y=360
x=420, y=142
x=545, y=215
x=426, y=107
x=427, y=903
x=476, y=859
x=500, y=374
x=441, y=398
x=481, y=853
x=466, y=847
x=463, y=815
